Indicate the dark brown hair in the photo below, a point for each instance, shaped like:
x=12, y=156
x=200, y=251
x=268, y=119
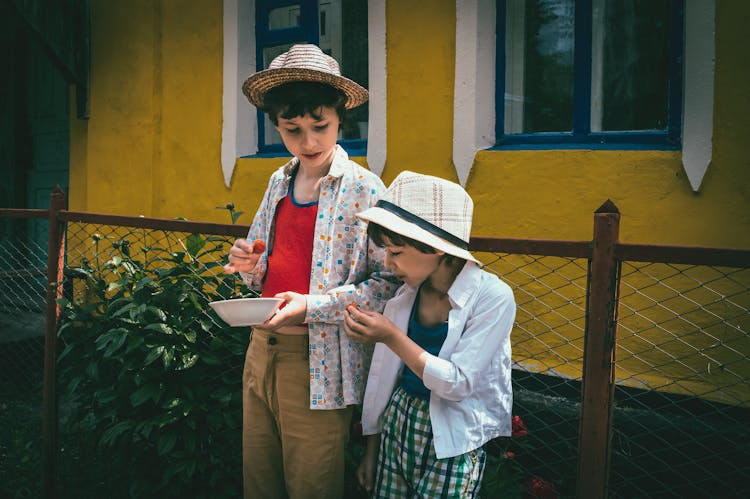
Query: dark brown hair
x=298, y=98
x=379, y=234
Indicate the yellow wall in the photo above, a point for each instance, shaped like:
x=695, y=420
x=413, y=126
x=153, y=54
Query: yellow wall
x=152, y=143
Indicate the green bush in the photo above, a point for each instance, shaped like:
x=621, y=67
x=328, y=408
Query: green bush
x=149, y=376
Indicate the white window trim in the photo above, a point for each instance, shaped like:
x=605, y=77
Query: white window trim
x=377, y=78
x=698, y=121
x=239, y=135
x=475, y=30
x=474, y=83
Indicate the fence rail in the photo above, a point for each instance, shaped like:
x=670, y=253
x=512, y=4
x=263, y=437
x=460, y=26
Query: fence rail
x=631, y=362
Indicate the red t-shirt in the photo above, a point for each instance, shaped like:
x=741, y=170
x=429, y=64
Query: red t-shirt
x=290, y=261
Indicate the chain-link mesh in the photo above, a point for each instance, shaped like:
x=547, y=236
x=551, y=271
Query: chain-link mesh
x=682, y=396
x=547, y=342
x=23, y=274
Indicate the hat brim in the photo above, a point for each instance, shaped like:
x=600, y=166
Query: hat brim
x=393, y=222
x=256, y=86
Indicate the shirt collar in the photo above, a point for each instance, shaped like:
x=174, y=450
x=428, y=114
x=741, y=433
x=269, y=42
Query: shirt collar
x=340, y=159
x=466, y=283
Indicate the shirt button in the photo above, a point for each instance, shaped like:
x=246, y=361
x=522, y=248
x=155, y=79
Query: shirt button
x=272, y=340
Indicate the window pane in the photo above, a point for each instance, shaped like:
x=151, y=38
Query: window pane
x=283, y=17
x=633, y=83
x=539, y=66
x=271, y=135
x=352, y=58
x=342, y=34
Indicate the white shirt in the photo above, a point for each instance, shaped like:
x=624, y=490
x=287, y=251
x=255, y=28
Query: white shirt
x=471, y=398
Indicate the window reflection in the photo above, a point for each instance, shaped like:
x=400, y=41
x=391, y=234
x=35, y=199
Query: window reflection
x=539, y=66
x=633, y=83
x=628, y=70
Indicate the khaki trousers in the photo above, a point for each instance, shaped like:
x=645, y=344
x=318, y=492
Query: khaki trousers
x=288, y=450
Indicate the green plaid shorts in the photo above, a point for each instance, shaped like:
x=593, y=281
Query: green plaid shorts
x=407, y=465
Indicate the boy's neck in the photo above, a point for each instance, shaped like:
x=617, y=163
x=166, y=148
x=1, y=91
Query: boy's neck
x=313, y=173
x=307, y=183
x=443, y=278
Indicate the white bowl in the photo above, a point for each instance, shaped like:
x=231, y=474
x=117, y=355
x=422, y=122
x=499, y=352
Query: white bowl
x=246, y=311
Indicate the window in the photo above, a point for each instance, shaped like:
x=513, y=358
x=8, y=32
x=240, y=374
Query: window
x=339, y=27
x=594, y=73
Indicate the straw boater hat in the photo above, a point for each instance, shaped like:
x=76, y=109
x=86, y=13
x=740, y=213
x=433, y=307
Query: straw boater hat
x=428, y=209
x=303, y=62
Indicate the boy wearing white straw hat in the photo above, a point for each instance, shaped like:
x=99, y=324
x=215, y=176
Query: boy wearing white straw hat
x=302, y=375
x=439, y=386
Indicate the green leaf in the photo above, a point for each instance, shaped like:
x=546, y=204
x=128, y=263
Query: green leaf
x=74, y=382
x=195, y=243
x=105, y=395
x=119, y=338
x=144, y=428
x=92, y=370
x=144, y=393
x=223, y=398
x=188, y=360
x=154, y=354
x=65, y=351
x=166, y=443
x=236, y=215
x=123, y=310
x=142, y=283
x=110, y=434
x=159, y=327
x=134, y=343
x=168, y=356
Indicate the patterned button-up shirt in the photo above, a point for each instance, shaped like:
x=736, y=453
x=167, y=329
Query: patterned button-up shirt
x=346, y=267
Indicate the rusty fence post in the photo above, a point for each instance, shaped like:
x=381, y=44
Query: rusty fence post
x=597, y=397
x=55, y=261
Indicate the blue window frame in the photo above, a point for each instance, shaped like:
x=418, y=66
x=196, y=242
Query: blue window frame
x=281, y=23
x=594, y=74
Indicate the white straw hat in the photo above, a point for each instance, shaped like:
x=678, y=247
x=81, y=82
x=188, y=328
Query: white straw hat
x=428, y=209
x=303, y=62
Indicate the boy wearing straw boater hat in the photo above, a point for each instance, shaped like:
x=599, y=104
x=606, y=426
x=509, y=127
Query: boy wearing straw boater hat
x=302, y=375
x=439, y=386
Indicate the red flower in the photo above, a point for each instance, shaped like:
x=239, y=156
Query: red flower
x=510, y=455
x=539, y=488
x=519, y=428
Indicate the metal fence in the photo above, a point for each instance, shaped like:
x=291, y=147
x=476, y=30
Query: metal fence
x=630, y=362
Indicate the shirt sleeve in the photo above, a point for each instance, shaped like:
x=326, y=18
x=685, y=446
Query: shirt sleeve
x=486, y=334
x=368, y=283
x=370, y=293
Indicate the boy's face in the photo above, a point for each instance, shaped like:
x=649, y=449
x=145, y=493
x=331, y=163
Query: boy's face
x=409, y=264
x=311, y=140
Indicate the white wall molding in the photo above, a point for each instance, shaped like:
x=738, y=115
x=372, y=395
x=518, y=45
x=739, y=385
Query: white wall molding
x=377, y=78
x=474, y=83
x=239, y=127
x=698, y=120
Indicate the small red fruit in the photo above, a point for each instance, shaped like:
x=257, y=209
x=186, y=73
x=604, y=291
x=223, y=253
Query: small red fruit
x=259, y=246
